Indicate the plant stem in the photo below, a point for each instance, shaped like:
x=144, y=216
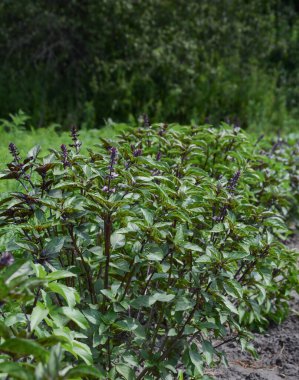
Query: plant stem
x=85, y=265
x=107, y=236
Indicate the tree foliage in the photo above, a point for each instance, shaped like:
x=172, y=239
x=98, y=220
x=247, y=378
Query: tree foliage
x=175, y=60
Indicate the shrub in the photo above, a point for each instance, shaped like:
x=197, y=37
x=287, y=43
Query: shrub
x=176, y=60
x=27, y=352
x=163, y=246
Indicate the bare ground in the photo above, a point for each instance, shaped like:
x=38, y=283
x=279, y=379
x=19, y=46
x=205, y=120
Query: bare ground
x=278, y=351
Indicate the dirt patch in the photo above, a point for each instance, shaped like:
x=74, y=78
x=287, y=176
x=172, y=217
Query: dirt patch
x=278, y=351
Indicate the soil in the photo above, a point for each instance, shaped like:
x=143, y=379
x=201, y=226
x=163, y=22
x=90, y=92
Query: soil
x=278, y=351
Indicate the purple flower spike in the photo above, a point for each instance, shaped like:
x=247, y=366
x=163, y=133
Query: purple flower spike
x=233, y=182
x=6, y=259
x=14, y=152
x=137, y=152
x=65, y=160
x=113, y=156
x=74, y=135
x=158, y=156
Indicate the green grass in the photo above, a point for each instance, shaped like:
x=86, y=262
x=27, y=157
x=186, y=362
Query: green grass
x=46, y=138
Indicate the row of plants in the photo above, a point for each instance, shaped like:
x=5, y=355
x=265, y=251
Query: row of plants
x=142, y=258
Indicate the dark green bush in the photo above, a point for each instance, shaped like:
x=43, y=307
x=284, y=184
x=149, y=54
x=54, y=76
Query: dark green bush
x=176, y=60
x=162, y=247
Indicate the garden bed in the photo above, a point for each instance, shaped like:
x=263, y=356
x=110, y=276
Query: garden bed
x=278, y=354
x=278, y=351
x=141, y=258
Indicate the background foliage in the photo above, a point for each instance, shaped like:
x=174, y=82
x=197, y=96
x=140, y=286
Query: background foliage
x=85, y=61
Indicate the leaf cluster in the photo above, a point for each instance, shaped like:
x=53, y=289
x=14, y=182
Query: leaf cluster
x=148, y=253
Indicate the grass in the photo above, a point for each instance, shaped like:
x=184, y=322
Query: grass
x=47, y=138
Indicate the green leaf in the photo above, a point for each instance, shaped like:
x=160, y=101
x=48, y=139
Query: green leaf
x=208, y=351
x=38, y=314
x=128, y=324
x=59, y=274
x=204, y=259
x=18, y=269
x=76, y=316
x=70, y=295
x=183, y=304
x=144, y=179
x=54, y=246
x=93, y=316
x=196, y=359
x=179, y=236
x=4, y=290
x=172, y=332
x=148, y=216
x=82, y=350
x=192, y=247
x=229, y=305
x=143, y=301
x=153, y=252
x=233, y=288
x=163, y=297
x=39, y=271
x=82, y=371
x=49, y=341
x=235, y=255
x=109, y=294
x=5, y=332
x=24, y=347
x=218, y=228
x=16, y=371
x=34, y=151
x=56, y=356
x=275, y=222
x=125, y=371
x=117, y=240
